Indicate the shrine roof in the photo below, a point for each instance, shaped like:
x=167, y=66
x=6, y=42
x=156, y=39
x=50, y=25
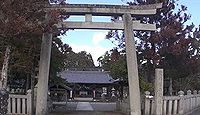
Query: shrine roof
x=97, y=77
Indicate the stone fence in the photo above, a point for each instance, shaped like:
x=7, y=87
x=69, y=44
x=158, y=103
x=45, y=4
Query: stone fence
x=173, y=105
x=124, y=106
x=19, y=104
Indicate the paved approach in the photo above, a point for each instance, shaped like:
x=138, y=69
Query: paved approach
x=86, y=113
x=87, y=108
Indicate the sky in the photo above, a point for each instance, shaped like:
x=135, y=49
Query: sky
x=94, y=42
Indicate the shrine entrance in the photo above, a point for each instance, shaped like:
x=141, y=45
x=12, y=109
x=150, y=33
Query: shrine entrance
x=127, y=24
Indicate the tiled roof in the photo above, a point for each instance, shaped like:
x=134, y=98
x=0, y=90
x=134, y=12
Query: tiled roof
x=87, y=77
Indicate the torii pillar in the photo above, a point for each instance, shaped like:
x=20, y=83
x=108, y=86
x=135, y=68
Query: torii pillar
x=133, y=79
x=43, y=78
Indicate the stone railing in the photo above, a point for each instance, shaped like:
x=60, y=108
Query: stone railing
x=19, y=104
x=174, y=105
x=16, y=91
x=124, y=106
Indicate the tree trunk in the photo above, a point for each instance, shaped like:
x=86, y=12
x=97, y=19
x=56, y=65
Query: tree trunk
x=4, y=72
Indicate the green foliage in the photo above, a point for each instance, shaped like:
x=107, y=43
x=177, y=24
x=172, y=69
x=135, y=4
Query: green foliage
x=115, y=62
x=144, y=85
x=119, y=69
x=79, y=60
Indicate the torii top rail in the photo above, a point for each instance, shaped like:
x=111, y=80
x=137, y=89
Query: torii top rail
x=106, y=10
x=89, y=10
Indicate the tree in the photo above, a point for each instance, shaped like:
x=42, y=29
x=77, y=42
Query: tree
x=79, y=60
x=22, y=23
x=173, y=47
x=115, y=62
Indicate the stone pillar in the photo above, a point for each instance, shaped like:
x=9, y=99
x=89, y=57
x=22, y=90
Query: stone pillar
x=181, y=103
x=134, y=91
x=158, y=91
x=42, y=89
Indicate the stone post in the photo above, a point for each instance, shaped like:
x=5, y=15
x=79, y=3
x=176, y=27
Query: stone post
x=29, y=103
x=195, y=98
x=134, y=91
x=195, y=92
x=189, y=94
x=147, y=103
x=42, y=89
x=158, y=91
x=181, y=103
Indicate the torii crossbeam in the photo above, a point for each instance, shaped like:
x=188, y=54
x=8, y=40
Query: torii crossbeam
x=126, y=24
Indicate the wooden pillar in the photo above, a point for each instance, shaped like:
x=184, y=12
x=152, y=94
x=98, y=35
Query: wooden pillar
x=42, y=89
x=158, y=91
x=133, y=79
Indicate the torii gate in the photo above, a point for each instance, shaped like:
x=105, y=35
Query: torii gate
x=127, y=24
